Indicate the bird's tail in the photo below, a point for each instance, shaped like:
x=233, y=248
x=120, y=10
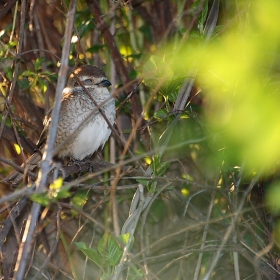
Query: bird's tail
x=16, y=177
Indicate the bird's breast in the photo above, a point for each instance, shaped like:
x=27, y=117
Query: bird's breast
x=90, y=128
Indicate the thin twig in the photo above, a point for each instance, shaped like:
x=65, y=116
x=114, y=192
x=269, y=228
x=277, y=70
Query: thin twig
x=203, y=241
x=230, y=228
x=54, y=247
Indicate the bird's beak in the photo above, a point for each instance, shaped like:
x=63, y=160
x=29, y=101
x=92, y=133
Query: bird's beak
x=104, y=83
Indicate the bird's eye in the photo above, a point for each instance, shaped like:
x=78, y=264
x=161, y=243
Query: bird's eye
x=88, y=81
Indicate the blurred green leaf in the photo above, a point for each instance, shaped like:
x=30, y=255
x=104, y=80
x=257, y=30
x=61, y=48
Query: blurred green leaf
x=273, y=197
x=28, y=73
x=79, y=200
x=133, y=74
x=161, y=114
x=134, y=273
x=9, y=74
x=95, y=48
x=242, y=105
x=144, y=182
x=159, y=210
x=23, y=83
x=203, y=16
x=12, y=44
x=146, y=30
x=42, y=85
x=159, y=167
x=42, y=199
x=38, y=63
x=171, y=88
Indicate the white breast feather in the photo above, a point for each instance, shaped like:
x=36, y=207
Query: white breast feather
x=92, y=136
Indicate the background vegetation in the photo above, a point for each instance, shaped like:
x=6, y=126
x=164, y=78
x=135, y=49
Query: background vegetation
x=188, y=186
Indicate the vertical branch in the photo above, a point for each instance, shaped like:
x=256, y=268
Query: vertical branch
x=116, y=56
x=27, y=238
x=113, y=199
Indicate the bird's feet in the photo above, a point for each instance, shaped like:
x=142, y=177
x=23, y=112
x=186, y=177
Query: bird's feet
x=57, y=170
x=85, y=164
x=77, y=162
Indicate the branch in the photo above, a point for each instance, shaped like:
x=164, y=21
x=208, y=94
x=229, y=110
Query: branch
x=6, y=226
x=27, y=239
x=116, y=56
x=7, y=8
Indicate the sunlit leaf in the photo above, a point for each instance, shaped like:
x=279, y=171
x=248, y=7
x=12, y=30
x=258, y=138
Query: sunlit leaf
x=17, y=148
x=56, y=184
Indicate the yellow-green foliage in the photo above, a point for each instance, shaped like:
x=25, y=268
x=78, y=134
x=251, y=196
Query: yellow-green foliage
x=238, y=72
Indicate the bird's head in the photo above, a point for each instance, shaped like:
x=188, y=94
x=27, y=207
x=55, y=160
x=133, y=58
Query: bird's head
x=89, y=76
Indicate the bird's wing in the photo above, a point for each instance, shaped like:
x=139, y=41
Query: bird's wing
x=43, y=137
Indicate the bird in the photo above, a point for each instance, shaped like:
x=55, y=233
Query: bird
x=81, y=128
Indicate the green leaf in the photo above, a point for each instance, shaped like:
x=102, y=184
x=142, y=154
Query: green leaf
x=144, y=182
x=203, y=16
x=132, y=74
x=161, y=114
x=162, y=168
x=158, y=210
x=110, y=250
x=23, y=83
x=28, y=73
x=12, y=44
x=79, y=200
x=56, y=191
x=146, y=30
x=88, y=26
x=171, y=88
x=81, y=245
x=91, y=253
x=95, y=48
x=63, y=193
x=9, y=74
x=194, y=7
x=42, y=199
x=159, y=167
x=38, y=63
x=42, y=85
x=151, y=71
x=124, y=238
x=134, y=273
x=164, y=139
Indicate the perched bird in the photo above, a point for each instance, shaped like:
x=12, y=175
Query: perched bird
x=81, y=128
